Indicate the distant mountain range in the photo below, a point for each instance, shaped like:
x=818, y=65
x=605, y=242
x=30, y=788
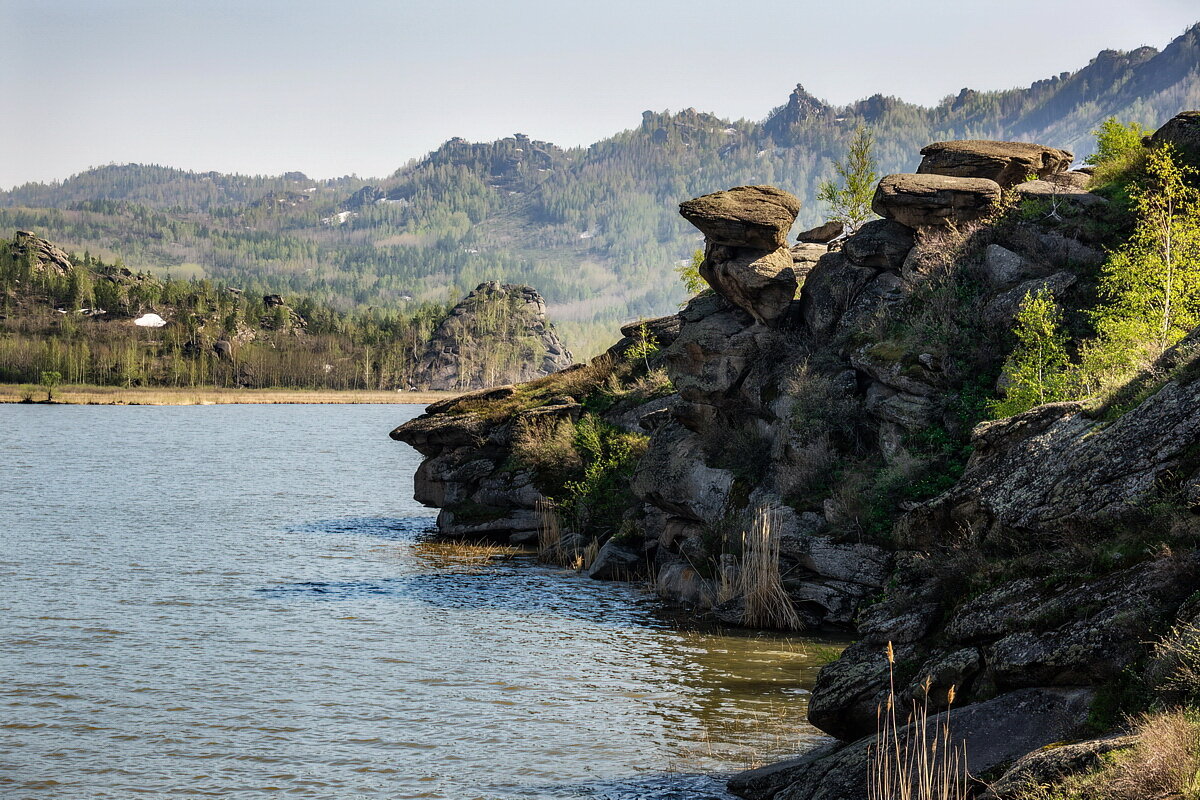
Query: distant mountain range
x=594, y=229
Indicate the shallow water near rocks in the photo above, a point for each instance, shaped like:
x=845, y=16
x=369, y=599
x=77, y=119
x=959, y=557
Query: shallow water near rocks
x=243, y=602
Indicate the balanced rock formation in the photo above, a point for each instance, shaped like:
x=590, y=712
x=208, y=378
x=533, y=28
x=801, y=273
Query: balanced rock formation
x=746, y=258
x=1006, y=163
x=933, y=200
x=499, y=334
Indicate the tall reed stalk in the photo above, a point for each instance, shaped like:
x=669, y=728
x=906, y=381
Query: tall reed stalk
x=767, y=604
x=549, y=532
x=907, y=763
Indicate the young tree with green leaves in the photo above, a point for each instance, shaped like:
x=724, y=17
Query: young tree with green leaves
x=849, y=198
x=690, y=274
x=1039, y=369
x=1151, y=285
x=1115, y=141
x=50, y=380
x=644, y=346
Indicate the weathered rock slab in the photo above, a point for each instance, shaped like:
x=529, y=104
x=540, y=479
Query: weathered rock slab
x=996, y=732
x=755, y=217
x=1006, y=163
x=934, y=200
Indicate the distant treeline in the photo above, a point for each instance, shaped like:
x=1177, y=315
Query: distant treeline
x=78, y=322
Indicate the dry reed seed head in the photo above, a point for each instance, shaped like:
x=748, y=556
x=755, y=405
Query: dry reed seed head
x=950, y=695
x=891, y=654
x=927, y=684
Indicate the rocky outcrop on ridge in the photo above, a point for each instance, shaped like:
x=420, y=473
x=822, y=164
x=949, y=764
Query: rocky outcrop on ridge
x=1183, y=133
x=44, y=256
x=498, y=334
x=1022, y=563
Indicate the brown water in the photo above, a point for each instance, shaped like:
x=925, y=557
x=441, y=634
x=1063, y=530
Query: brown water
x=242, y=602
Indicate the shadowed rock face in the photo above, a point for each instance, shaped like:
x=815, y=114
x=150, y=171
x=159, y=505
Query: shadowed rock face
x=1006, y=163
x=997, y=732
x=934, y=200
x=1182, y=132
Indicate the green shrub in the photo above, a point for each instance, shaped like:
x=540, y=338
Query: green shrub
x=1038, y=370
x=596, y=502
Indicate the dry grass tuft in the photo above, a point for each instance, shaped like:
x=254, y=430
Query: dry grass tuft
x=465, y=555
x=1163, y=763
x=1175, y=665
x=1165, y=760
x=546, y=445
x=907, y=763
x=767, y=604
x=549, y=532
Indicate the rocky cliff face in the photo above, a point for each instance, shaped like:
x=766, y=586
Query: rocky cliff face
x=1024, y=562
x=498, y=334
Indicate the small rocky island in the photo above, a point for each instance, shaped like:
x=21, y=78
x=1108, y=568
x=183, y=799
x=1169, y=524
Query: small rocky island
x=1031, y=570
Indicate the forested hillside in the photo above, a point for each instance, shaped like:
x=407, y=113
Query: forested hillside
x=592, y=228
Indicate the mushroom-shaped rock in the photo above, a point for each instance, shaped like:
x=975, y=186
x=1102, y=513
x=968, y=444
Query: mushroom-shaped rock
x=746, y=259
x=757, y=217
x=932, y=200
x=880, y=243
x=1183, y=132
x=1006, y=163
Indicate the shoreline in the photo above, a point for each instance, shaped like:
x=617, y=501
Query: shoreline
x=209, y=396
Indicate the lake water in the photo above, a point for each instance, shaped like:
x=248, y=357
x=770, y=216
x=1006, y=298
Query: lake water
x=243, y=602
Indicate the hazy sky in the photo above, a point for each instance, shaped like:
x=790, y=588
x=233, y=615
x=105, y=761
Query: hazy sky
x=360, y=86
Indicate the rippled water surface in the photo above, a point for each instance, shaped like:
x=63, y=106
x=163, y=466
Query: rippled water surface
x=243, y=602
